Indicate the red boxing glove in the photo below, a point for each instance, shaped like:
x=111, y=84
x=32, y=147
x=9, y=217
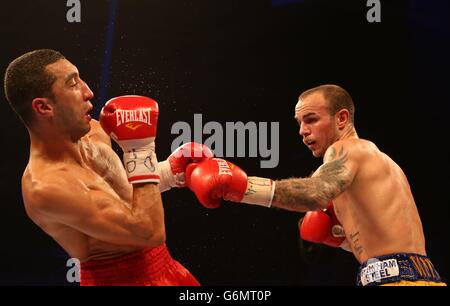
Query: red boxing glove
x=214, y=179
x=322, y=227
x=172, y=170
x=131, y=121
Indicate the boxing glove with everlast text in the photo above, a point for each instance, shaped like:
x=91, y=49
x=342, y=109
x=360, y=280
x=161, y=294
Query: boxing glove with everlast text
x=131, y=121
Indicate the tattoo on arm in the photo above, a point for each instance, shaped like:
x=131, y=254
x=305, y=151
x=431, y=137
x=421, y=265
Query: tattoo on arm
x=303, y=194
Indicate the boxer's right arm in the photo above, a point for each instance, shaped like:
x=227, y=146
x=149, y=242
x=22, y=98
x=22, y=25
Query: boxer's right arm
x=322, y=226
x=64, y=199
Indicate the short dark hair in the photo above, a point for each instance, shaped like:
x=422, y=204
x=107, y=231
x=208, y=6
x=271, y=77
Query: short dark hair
x=337, y=97
x=26, y=78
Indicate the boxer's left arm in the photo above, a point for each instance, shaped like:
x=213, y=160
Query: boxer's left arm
x=328, y=181
x=172, y=169
x=296, y=194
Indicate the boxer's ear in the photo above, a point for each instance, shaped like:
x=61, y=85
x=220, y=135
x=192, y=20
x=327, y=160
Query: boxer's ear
x=342, y=118
x=42, y=106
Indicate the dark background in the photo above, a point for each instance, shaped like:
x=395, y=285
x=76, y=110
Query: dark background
x=243, y=61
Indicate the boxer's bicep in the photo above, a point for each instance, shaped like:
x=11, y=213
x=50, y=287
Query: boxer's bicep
x=95, y=213
x=337, y=172
x=331, y=179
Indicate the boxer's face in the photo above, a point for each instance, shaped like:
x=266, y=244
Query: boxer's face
x=71, y=99
x=317, y=127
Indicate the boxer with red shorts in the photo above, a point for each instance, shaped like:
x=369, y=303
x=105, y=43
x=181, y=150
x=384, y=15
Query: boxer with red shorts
x=148, y=267
x=107, y=214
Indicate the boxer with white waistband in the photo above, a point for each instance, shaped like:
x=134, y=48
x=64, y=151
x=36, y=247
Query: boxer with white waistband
x=373, y=206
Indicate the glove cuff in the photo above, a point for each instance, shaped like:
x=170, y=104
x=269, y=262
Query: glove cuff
x=259, y=191
x=168, y=180
x=141, y=164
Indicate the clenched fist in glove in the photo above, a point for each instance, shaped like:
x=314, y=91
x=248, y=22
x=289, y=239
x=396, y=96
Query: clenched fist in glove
x=322, y=226
x=131, y=122
x=172, y=171
x=215, y=179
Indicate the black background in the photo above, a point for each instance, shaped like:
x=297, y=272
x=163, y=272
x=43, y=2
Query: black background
x=243, y=61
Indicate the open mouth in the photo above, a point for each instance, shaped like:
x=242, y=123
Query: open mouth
x=88, y=114
x=309, y=142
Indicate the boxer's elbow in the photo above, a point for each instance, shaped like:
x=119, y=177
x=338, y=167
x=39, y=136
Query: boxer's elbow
x=312, y=203
x=321, y=203
x=148, y=234
x=153, y=240
x=156, y=238
x=324, y=190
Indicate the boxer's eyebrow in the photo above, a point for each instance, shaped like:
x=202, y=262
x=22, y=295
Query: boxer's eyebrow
x=308, y=115
x=71, y=76
x=300, y=119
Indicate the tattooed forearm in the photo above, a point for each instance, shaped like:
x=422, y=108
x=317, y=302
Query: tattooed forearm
x=303, y=194
x=295, y=194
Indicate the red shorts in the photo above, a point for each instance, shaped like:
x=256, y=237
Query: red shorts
x=148, y=267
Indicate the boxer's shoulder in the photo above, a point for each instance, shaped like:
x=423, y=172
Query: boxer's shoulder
x=355, y=144
x=356, y=148
x=97, y=134
x=96, y=145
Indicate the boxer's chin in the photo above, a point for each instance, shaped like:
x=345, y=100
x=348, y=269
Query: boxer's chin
x=88, y=129
x=316, y=152
x=82, y=131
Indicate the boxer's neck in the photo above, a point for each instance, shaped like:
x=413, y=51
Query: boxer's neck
x=55, y=147
x=348, y=132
